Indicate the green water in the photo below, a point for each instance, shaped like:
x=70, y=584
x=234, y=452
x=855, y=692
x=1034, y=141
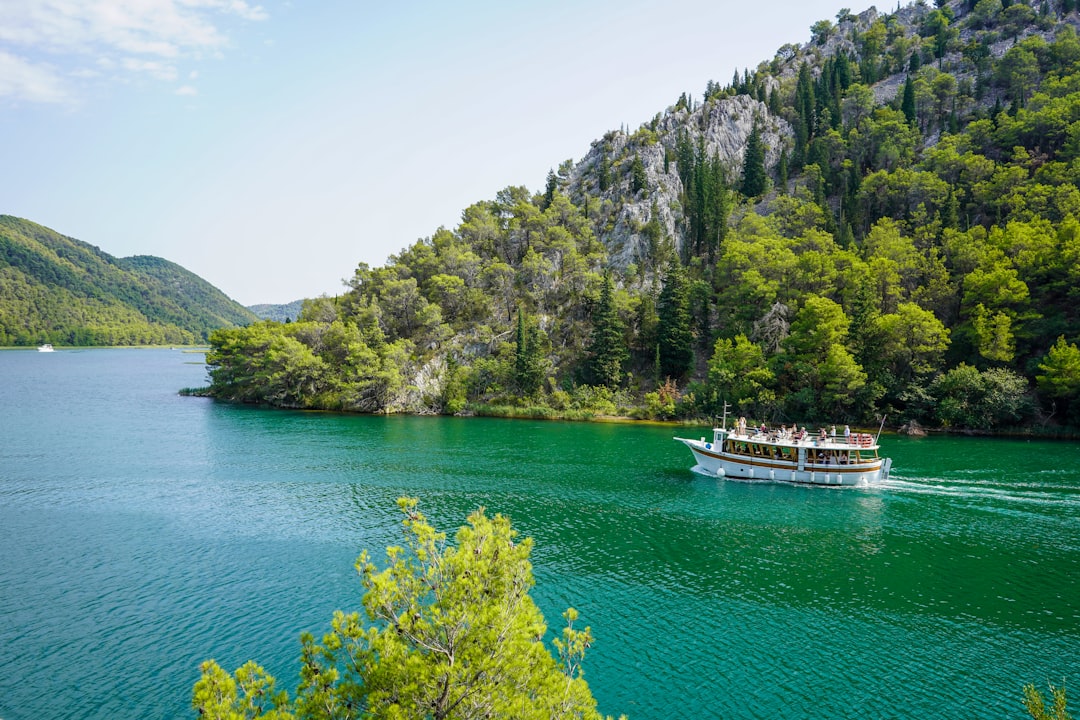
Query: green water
x=142, y=532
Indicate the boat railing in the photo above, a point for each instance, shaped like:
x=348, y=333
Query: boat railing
x=854, y=441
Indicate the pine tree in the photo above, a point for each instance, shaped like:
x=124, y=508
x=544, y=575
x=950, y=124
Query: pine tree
x=549, y=191
x=607, y=351
x=753, y=172
x=675, y=342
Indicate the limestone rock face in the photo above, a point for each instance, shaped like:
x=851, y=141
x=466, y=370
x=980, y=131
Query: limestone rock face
x=621, y=216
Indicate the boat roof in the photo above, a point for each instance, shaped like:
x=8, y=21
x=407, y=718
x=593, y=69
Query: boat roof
x=869, y=442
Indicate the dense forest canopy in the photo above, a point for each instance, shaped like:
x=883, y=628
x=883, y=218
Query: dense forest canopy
x=885, y=220
x=59, y=290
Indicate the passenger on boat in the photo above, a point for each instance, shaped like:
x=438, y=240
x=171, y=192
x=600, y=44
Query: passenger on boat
x=847, y=434
x=823, y=435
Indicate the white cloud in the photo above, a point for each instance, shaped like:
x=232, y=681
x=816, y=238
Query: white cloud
x=141, y=36
x=159, y=70
x=20, y=79
x=186, y=90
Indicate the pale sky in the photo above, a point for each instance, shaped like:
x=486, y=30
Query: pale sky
x=271, y=146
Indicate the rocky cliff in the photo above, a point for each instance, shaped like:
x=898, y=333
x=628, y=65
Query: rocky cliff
x=722, y=125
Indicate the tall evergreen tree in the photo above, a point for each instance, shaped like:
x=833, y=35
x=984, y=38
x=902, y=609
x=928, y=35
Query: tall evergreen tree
x=782, y=172
x=638, y=179
x=607, y=351
x=603, y=174
x=907, y=104
x=549, y=190
x=753, y=172
x=804, y=109
x=528, y=358
x=674, y=339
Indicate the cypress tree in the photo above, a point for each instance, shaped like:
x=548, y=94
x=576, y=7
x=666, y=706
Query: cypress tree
x=782, y=172
x=607, y=351
x=638, y=179
x=675, y=342
x=845, y=237
x=753, y=172
x=604, y=172
x=774, y=102
x=804, y=109
x=549, y=191
x=684, y=159
x=915, y=62
x=907, y=105
x=528, y=363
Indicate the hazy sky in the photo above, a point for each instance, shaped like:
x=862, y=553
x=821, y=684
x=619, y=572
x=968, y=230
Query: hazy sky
x=271, y=147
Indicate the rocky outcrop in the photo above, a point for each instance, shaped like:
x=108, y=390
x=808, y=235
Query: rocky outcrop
x=622, y=216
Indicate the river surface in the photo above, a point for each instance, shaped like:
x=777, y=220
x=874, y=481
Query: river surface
x=142, y=532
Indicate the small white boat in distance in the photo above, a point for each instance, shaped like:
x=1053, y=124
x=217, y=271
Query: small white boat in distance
x=45, y=348
x=778, y=456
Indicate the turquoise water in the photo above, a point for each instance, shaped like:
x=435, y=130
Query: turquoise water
x=142, y=532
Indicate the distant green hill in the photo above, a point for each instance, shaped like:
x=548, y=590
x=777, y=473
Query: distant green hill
x=279, y=313
x=61, y=290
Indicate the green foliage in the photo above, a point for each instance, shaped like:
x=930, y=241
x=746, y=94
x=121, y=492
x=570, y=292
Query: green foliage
x=448, y=631
x=817, y=361
x=1059, y=377
x=675, y=341
x=248, y=694
x=739, y=374
x=1035, y=704
x=638, y=179
x=705, y=194
x=607, y=351
x=753, y=172
x=992, y=398
x=907, y=103
x=528, y=358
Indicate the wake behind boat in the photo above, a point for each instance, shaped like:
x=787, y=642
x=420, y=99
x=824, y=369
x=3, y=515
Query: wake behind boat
x=790, y=456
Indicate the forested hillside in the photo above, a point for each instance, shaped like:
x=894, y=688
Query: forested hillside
x=282, y=313
x=60, y=290
x=883, y=220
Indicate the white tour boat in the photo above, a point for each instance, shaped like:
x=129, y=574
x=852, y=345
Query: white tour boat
x=778, y=456
x=45, y=348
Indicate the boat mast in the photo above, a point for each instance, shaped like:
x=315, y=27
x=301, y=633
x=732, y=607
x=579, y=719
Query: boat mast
x=880, y=428
x=724, y=425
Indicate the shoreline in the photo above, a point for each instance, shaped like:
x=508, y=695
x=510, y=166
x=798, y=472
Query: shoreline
x=510, y=412
x=70, y=348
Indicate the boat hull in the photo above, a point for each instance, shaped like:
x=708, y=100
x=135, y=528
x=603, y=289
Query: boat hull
x=715, y=462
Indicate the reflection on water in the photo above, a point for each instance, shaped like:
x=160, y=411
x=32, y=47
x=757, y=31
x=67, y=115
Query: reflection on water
x=143, y=532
